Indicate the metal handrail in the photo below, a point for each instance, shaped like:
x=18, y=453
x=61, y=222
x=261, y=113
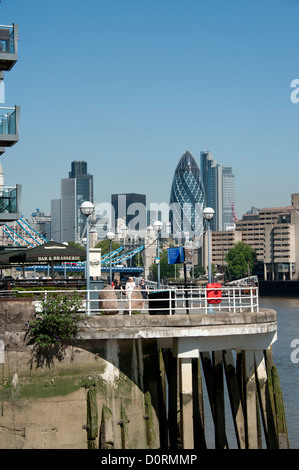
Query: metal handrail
x=181, y=300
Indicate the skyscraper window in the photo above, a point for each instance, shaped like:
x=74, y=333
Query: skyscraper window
x=186, y=199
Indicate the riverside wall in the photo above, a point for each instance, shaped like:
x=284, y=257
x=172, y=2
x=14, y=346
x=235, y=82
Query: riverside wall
x=45, y=403
x=107, y=389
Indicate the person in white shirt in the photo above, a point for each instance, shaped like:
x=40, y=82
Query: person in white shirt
x=130, y=285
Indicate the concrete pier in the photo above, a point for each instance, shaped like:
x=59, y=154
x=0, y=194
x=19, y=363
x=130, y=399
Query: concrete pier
x=135, y=382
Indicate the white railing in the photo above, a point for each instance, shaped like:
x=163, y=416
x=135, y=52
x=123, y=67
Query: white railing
x=179, y=300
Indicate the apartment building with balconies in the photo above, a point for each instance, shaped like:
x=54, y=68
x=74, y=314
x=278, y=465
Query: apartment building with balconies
x=9, y=123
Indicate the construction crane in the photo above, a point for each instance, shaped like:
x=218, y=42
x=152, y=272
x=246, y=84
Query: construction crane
x=234, y=218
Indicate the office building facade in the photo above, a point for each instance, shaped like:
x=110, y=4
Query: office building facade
x=187, y=199
x=219, y=187
x=274, y=235
x=67, y=220
x=131, y=208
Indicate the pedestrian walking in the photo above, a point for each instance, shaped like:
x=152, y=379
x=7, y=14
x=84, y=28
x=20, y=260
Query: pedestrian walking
x=144, y=291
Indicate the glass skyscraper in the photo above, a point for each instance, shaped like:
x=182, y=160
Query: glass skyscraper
x=187, y=199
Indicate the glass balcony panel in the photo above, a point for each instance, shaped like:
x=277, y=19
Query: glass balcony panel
x=9, y=125
x=7, y=40
x=8, y=46
x=10, y=203
x=8, y=200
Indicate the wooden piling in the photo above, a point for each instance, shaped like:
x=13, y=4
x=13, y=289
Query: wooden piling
x=235, y=398
x=123, y=423
x=92, y=418
x=171, y=369
x=219, y=411
x=267, y=411
x=198, y=406
x=106, y=439
x=277, y=401
x=250, y=401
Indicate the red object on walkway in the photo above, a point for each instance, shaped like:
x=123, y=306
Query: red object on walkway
x=214, y=293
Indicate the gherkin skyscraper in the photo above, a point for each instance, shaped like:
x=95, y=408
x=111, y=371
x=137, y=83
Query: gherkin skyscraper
x=187, y=199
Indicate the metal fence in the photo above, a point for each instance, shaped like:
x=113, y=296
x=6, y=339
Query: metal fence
x=178, y=300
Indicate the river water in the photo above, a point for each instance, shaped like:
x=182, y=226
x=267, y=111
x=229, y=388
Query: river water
x=288, y=369
x=285, y=358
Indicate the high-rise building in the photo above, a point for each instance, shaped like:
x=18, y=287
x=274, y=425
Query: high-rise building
x=219, y=186
x=131, y=207
x=228, y=198
x=67, y=219
x=187, y=199
x=9, y=123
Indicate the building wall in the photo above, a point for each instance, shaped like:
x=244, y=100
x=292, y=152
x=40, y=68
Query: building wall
x=274, y=235
x=73, y=191
x=219, y=186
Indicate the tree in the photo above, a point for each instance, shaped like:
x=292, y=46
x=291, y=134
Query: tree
x=76, y=245
x=166, y=270
x=240, y=259
x=105, y=246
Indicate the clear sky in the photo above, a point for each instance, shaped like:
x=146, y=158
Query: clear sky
x=130, y=85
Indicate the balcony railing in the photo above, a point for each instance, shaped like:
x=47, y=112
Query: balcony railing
x=8, y=46
x=9, y=126
x=10, y=203
x=176, y=301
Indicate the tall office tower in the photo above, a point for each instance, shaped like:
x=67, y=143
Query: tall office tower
x=130, y=207
x=187, y=199
x=228, y=198
x=78, y=168
x=67, y=220
x=219, y=186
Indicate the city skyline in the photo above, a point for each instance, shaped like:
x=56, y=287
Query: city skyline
x=156, y=80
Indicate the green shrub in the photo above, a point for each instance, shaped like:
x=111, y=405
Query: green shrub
x=57, y=320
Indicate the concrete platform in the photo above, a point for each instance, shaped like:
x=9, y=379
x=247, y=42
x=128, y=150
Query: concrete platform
x=188, y=335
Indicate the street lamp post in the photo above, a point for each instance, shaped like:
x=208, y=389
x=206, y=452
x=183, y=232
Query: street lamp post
x=110, y=237
x=208, y=214
x=158, y=227
x=87, y=209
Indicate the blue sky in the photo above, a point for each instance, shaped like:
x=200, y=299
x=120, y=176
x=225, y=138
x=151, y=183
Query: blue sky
x=129, y=86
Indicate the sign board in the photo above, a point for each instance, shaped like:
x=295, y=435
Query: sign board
x=95, y=262
x=175, y=255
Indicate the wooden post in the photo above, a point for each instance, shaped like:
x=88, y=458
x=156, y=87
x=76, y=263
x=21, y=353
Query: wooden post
x=235, y=398
x=123, y=423
x=208, y=373
x=277, y=400
x=198, y=406
x=171, y=368
x=268, y=418
x=250, y=390
x=92, y=418
x=186, y=403
x=106, y=440
x=154, y=401
x=219, y=411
